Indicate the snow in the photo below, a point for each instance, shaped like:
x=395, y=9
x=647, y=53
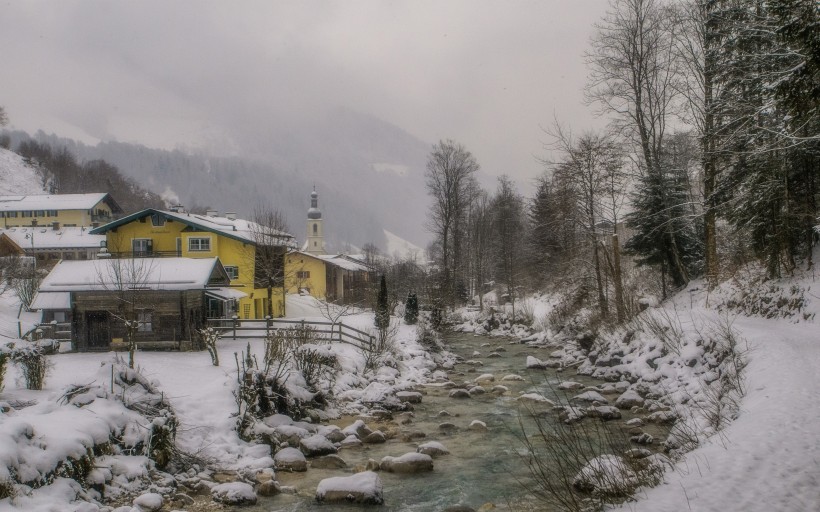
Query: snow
x=147, y=273
x=364, y=487
x=16, y=176
x=233, y=493
x=769, y=458
x=71, y=237
x=16, y=203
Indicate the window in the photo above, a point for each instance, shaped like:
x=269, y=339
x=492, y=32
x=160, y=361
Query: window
x=26, y=213
x=52, y=213
x=233, y=272
x=144, y=321
x=59, y=316
x=315, y=229
x=199, y=244
x=11, y=215
x=157, y=219
x=39, y=213
x=303, y=274
x=142, y=246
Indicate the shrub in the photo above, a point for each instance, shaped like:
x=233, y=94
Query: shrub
x=411, y=309
x=210, y=337
x=33, y=364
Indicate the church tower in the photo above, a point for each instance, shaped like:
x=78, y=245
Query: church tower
x=315, y=233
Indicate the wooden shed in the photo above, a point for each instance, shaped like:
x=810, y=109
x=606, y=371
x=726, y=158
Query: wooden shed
x=168, y=298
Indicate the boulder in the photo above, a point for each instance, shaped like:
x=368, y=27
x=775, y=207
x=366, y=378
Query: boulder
x=609, y=475
x=350, y=441
x=477, y=390
x=233, y=493
x=357, y=428
x=362, y=488
x=512, y=377
x=269, y=488
x=535, y=363
x=408, y=463
x=433, y=449
x=316, y=445
x=289, y=459
x=484, y=378
x=569, y=385
x=447, y=426
x=149, y=502
x=591, y=396
x=375, y=437
x=333, y=433
x=459, y=393
x=629, y=399
x=605, y=412
x=500, y=390
x=478, y=426
x=411, y=397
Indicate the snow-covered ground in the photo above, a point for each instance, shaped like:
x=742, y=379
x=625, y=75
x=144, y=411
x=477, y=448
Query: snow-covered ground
x=769, y=457
x=201, y=395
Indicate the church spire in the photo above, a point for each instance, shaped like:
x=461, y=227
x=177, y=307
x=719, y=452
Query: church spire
x=315, y=233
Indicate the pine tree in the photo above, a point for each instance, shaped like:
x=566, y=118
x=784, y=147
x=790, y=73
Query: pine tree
x=382, y=308
x=411, y=309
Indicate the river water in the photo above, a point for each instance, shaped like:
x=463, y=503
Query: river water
x=482, y=467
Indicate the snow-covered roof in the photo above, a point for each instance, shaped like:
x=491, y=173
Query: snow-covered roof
x=56, y=202
x=345, y=262
x=51, y=300
x=138, y=273
x=226, y=293
x=238, y=229
x=72, y=237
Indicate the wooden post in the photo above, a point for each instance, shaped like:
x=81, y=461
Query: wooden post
x=267, y=325
x=235, y=324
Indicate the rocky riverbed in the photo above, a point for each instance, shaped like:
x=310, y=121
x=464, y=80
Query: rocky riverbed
x=459, y=445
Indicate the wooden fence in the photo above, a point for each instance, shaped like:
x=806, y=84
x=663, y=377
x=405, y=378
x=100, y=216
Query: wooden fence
x=236, y=328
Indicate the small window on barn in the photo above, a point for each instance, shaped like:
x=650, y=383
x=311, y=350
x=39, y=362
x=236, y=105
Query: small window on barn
x=199, y=244
x=144, y=321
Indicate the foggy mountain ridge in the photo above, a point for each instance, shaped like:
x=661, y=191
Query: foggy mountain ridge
x=369, y=175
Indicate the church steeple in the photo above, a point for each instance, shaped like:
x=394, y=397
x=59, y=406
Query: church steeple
x=315, y=234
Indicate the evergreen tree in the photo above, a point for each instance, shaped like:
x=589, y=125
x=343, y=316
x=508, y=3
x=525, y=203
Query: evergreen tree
x=382, y=307
x=411, y=309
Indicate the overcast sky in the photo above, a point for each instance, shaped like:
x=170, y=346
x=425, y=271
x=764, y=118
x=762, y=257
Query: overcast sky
x=162, y=73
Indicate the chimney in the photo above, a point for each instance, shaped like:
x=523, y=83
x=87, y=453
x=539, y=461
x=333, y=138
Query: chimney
x=230, y=215
x=212, y=213
x=55, y=226
x=177, y=208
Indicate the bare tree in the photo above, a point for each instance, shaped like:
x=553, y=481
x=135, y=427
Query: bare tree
x=270, y=236
x=128, y=278
x=4, y=118
x=592, y=166
x=634, y=77
x=508, y=231
x=480, y=222
x=451, y=183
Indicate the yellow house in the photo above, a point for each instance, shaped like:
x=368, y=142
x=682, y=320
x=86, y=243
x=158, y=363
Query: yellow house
x=332, y=277
x=68, y=210
x=252, y=255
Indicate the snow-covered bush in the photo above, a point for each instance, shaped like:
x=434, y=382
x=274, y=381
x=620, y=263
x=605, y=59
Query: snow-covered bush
x=210, y=337
x=33, y=363
x=427, y=336
x=5, y=353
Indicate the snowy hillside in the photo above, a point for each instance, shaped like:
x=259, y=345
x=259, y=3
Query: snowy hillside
x=397, y=246
x=17, y=177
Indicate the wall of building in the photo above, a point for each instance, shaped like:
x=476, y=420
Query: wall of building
x=100, y=214
x=316, y=280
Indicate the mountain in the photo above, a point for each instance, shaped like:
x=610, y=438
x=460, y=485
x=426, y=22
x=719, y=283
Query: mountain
x=369, y=175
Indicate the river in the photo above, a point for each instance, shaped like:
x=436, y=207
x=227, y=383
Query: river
x=483, y=467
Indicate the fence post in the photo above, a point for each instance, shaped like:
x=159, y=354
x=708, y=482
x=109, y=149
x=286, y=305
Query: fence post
x=267, y=325
x=235, y=325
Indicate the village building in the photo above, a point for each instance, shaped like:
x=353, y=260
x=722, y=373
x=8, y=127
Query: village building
x=68, y=210
x=253, y=255
x=337, y=278
x=48, y=244
x=169, y=298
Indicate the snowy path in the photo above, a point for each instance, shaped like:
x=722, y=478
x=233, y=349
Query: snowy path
x=769, y=458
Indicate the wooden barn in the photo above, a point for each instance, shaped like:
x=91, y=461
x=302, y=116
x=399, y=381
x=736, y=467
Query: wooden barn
x=168, y=298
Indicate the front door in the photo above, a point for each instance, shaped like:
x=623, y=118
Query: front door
x=99, y=335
